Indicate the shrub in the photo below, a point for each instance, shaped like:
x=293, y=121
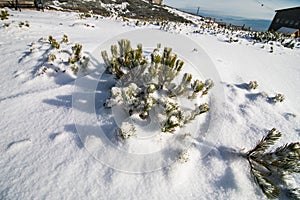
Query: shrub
x=6, y=25
x=51, y=57
x=252, y=85
x=146, y=84
x=21, y=24
x=65, y=39
x=53, y=42
x=4, y=14
x=277, y=98
x=75, y=68
x=76, y=49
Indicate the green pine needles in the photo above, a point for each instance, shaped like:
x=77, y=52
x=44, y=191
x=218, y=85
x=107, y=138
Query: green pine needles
x=151, y=83
x=270, y=170
x=4, y=14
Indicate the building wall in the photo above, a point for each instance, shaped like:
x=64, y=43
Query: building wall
x=289, y=18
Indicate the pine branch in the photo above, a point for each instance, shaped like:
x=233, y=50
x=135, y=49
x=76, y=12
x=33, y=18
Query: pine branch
x=268, y=188
x=270, y=168
x=265, y=143
x=285, y=158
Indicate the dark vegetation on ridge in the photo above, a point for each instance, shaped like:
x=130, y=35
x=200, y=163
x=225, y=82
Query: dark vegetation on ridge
x=137, y=9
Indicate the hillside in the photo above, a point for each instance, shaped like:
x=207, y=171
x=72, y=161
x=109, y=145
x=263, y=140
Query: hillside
x=130, y=8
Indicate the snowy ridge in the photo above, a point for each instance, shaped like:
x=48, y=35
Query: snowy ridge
x=42, y=155
x=131, y=8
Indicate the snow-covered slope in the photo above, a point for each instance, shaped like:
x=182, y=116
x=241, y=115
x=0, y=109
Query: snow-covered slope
x=43, y=157
x=130, y=8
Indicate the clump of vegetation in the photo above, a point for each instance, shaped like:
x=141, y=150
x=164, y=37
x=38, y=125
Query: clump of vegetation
x=76, y=55
x=65, y=39
x=271, y=170
x=53, y=42
x=84, y=62
x=144, y=86
x=126, y=132
x=184, y=156
x=75, y=68
x=56, y=50
x=4, y=14
x=51, y=57
x=6, y=25
x=252, y=85
x=290, y=44
x=270, y=37
x=21, y=24
x=77, y=60
x=277, y=98
x=233, y=40
x=26, y=23
x=85, y=15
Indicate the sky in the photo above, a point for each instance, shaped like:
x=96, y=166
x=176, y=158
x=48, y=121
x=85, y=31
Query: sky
x=255, y=9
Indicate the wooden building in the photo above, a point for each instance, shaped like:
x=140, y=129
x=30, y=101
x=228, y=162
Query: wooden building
x=288, y=18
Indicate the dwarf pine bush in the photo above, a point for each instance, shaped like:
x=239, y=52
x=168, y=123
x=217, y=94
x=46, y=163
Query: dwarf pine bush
x=59, y=51
x=65, y=39
x=51, y=57
x=252, y=85
x=26, y=23
x=53, y=42
x=146, y=83
x=277, y=98
x=4, y=14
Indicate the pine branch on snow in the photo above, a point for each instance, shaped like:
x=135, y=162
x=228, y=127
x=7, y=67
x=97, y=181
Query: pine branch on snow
x=271, y=168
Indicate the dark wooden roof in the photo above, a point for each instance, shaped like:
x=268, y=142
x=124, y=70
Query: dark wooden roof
x=288, y=9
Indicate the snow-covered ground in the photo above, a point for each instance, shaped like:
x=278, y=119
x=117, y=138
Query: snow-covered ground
x=43, y=157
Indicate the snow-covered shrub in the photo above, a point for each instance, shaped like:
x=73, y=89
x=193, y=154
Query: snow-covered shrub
x=26, y=23
x=252, y=85
x=84, y=63
x=184, y=156
x=61, y=57
x=197, y=86
x=233, y=40
x=6, y=25
x=4, y=14
x=271, y=37
x=277, y=98
x=53, y=42
x=65, y=39
x=271, y=170
x=146, y=83
x=74, y=68
x=51, y=57
x=127, y=131
x=290, y=44
x=76, y=49
x=85, y=15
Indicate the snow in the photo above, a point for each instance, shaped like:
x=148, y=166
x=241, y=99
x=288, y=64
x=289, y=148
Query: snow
x=49, y=147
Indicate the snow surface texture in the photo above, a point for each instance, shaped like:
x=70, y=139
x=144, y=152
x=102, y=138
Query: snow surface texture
x=43, y=157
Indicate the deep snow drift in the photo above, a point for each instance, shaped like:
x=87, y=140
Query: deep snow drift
x=44, y=157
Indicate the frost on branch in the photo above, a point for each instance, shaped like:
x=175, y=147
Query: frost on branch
x=271, y=168
x=148, y=85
